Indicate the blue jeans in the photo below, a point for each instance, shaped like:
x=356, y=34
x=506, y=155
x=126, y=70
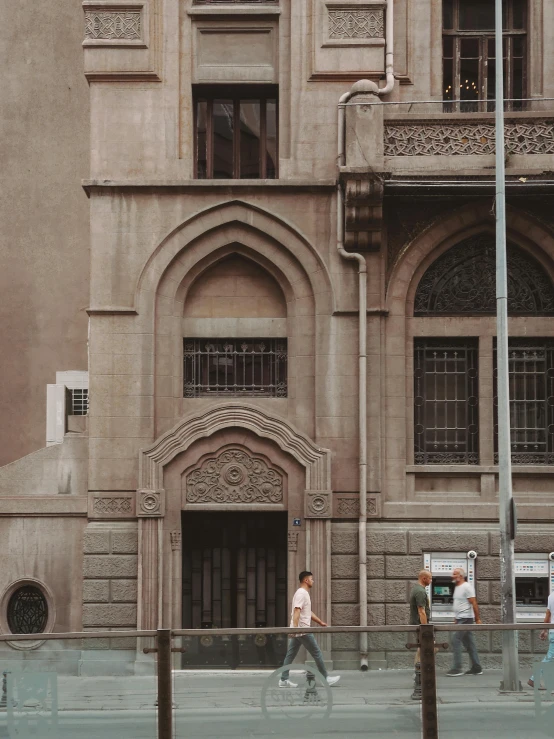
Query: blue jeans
x=308, y=641
x=550, y=654
x=468, y=640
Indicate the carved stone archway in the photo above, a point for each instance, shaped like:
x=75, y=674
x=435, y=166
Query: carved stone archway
x=315, y=460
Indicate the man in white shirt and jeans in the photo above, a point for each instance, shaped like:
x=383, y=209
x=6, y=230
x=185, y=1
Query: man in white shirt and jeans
x=466, y=611
x=302, y=616
x=548, y=619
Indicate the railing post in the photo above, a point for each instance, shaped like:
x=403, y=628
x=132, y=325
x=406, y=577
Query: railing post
x=429, y=718
x=165, y=702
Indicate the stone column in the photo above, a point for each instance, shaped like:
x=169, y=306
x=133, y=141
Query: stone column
x=150, y=511
x=175, y=592
x=318, y=557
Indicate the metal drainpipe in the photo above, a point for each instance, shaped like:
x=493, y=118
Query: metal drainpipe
x=362, y=393
x=362, y=326
x=389, y=50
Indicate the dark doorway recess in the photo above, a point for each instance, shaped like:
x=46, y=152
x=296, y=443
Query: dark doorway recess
x=234, y=576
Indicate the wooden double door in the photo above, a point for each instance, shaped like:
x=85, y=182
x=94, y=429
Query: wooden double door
x=234, y=576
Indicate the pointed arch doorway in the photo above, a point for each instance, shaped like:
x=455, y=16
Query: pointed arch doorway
x=234, y=576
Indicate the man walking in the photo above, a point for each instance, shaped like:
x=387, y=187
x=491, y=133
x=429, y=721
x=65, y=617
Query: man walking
x=420, y=613
x=466, y=611
x=302, y=616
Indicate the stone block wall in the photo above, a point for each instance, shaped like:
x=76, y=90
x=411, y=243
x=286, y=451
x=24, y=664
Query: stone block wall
x=110, y=580
x=395, y=556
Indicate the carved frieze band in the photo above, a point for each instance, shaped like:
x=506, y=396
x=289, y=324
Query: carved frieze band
x=356, y=22
x=113, y=25
x=317, y=504
x=348, y=506
x=453, y=139
x=234, y=477
x=150, y=503
x=111, y=505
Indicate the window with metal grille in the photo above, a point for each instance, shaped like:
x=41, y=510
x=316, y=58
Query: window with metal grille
x=469, y=62
x=446, y=408
x=79, y=402
x=27, y=611
x=236, y=132
x=229, y=367
x=531, y=373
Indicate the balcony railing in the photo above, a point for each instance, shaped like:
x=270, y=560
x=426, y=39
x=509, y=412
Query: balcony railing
x=236, y=2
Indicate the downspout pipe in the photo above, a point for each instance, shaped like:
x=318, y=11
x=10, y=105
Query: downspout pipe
x=362, y=324
x=362, y=419
x=362, y=380
x=389, y=50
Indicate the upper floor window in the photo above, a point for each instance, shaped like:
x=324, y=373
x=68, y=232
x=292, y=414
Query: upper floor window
x=469, y=63
x=446, y=403
x=246, y=367
x=531, y=373
x=236, y=132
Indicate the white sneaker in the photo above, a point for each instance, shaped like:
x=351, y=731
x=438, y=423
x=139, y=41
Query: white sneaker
x=287, y=684
x=333, y=680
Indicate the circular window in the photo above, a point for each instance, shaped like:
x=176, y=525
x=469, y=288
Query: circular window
x=27, y=611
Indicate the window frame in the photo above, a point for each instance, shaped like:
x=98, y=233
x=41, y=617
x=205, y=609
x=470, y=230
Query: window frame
x=423, y=453
x=50, y=621
x=235, y=93
x=485, y=103
x=197, y=382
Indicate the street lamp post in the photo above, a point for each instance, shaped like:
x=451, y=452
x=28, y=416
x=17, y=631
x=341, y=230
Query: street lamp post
x=507, y=522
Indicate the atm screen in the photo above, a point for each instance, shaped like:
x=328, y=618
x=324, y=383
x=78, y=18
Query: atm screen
x=442, y=592
x=531, y=591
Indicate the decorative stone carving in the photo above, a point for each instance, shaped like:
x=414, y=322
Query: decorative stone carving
x=110, y=25
x=356, y=22
x=234, y=477
x=373, y=507
x=106, y=505
x=348, y=507
x=293, y=541
x=363, y=213
x=175, y=537
x=455, y=139
x=463, y=281
x=317, y=504
x=150, y=503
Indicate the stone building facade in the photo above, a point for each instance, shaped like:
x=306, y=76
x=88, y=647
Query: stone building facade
x=290, y=342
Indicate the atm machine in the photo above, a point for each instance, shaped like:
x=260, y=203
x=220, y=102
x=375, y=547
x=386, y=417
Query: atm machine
x=441, y=590
x=534, y=576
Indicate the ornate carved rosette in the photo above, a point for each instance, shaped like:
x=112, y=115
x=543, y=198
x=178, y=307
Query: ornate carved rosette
x=234, y=477
x=150, y=503
x=318, y=504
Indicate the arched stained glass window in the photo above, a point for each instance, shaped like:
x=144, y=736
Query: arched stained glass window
x=27, y=610
x=462, y=281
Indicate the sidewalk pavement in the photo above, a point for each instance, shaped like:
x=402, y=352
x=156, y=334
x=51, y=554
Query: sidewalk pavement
x=203, y=689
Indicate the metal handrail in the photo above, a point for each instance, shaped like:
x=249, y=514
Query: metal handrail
x=391, y=628
x=51, y=636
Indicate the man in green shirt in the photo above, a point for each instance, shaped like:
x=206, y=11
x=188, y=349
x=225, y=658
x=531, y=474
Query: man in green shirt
x=420, y=612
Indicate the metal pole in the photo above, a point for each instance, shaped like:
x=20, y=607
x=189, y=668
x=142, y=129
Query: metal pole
x=509, y=638
x=165, y=702
x=429, y=717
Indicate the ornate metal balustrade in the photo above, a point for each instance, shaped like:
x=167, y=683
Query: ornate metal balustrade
x=235, y=367
x=236, y=2
x=460, y=138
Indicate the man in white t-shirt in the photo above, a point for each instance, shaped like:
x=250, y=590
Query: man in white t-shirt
x=548, y=619
x=301, y=615
x=466, y=611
